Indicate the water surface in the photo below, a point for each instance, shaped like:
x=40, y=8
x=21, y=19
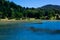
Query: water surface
x=20, y=31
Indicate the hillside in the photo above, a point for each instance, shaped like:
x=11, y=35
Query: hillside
x=11, y=10
x=51, y=7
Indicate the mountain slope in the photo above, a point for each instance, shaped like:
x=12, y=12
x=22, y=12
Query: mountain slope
x=51, y=7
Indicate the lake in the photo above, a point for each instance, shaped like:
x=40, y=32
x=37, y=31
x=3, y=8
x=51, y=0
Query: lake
x=21, y=31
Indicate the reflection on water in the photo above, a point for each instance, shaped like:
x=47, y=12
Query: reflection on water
x=22, y=31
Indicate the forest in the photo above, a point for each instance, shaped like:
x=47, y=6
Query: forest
x=11, y=10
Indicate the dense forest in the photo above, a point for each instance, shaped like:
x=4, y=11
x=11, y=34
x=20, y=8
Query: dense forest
x=11, y=10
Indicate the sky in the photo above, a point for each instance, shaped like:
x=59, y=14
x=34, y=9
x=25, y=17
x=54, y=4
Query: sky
x=35, y=3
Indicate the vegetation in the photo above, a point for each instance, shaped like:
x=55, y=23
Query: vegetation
x=10, y=10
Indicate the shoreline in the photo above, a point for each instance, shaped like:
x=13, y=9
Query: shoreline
x=34, y=21
x=25, y=20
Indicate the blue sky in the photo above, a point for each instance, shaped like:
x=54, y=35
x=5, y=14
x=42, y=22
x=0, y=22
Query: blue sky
x=35, y=3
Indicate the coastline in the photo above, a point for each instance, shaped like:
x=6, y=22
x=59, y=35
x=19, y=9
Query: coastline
x=7, y=22
x=26, y=20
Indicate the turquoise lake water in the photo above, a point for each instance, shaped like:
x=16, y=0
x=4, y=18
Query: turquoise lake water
x=20, y=31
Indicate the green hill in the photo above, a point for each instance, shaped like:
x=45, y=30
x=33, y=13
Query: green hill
x=12, y=10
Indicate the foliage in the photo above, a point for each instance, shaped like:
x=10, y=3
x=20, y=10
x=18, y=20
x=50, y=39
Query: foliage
x=11, y=10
